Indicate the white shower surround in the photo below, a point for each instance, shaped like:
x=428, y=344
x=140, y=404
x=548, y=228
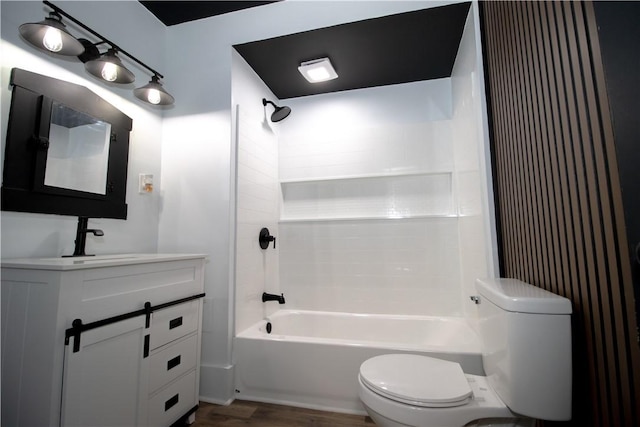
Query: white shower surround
x=383, y=195
x=369, y=218
x=375, y=227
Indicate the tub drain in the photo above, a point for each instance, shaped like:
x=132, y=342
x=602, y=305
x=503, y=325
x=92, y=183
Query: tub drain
x=268, y=327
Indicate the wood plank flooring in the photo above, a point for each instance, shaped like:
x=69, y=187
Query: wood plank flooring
x=255, y=414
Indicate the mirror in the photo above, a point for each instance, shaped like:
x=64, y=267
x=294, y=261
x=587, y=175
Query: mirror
x=78, y=153
x=66, y=151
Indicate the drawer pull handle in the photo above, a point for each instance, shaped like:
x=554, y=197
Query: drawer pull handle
x=175, y=322
x=171, y=402
x=173, y=363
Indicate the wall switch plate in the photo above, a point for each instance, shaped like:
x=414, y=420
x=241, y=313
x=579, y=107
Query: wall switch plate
x=145, y=183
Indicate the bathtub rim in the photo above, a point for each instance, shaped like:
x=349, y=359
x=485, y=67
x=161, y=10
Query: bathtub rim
x=254, y=332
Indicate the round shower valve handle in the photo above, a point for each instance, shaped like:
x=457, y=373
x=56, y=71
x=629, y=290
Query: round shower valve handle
x=265, y=238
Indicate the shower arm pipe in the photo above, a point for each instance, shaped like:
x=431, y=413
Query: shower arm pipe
x=101, y=37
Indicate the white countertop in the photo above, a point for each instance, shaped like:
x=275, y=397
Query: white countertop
x=83, y=262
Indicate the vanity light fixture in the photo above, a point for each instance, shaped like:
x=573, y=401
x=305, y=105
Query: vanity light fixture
x=154, y=93
x=51, y=35
x=318, y=70
x=108, y=67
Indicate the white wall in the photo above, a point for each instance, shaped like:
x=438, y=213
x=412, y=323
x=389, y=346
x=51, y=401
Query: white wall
x=130, y=25
x=197, y=161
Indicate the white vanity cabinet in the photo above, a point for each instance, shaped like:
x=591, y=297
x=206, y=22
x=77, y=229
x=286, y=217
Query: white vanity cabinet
x=106, y=340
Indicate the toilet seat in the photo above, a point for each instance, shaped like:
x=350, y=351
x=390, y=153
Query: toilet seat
x=417, y=380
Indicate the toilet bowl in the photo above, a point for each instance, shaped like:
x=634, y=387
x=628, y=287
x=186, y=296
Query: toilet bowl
x=412, y=390
x=525, y=334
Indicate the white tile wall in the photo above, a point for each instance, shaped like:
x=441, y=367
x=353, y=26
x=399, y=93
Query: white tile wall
x=406, y=266
x=356, y=149
x=257, y=207
x=376, y=162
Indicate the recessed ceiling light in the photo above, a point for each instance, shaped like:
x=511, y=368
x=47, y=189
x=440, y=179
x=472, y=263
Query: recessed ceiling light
x=318, y=70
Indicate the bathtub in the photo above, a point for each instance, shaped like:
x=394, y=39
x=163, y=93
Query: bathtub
x=311, y=358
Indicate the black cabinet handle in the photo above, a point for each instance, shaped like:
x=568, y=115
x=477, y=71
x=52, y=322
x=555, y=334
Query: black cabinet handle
x=147, y=341
x=173, y=363
x=175, y=322
x=171, y=402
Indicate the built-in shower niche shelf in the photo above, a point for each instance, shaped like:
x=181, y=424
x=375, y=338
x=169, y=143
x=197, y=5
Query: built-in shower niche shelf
x=407, y=195
x=362, y=218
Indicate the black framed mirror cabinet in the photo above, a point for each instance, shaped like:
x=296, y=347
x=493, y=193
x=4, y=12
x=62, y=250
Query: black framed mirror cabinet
x=66, y=151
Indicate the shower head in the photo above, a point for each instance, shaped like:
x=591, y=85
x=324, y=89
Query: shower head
x=280, y=113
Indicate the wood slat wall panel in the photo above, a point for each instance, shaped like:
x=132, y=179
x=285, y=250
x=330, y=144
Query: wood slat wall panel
x=558, y=195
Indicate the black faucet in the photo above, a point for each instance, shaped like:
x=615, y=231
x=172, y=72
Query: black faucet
x=272, y=297
x=81, y=236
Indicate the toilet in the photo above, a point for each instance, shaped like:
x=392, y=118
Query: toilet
x=526, y=354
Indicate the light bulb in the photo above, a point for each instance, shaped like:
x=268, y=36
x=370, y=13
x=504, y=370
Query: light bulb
x=109, y=72
x=153, y=95
x=319, y=74
x=52, y=40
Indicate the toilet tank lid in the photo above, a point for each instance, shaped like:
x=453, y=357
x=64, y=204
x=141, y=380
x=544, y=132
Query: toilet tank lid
x=518, y=296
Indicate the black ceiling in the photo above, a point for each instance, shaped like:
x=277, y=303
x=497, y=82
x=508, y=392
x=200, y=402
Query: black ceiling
x=402, y=48
x=177, y=12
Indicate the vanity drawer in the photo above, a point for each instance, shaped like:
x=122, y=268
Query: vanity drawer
x=106, y=292
x=174, y=322
x=173, y=402
x=169, y=363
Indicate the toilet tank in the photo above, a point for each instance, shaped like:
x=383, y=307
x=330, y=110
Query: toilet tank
x=526, y=347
